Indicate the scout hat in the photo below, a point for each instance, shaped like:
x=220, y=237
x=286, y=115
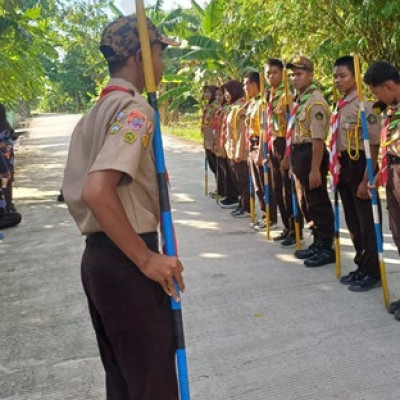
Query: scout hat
x=301, y=62
x=120, y=38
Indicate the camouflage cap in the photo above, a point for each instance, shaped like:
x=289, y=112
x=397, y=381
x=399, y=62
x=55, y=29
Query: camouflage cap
x=120, y=38
x=301, y=62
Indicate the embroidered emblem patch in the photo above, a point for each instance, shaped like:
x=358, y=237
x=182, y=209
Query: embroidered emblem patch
x=319, y=115
x=145, y=140
x=372, y=119
x=136, y=120
x=114, y=128
x=129, y=136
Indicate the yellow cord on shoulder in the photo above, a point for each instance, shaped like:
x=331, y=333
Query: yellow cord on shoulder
x=353, y=140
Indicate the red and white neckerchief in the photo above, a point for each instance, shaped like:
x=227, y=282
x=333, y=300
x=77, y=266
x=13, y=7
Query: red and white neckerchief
x=216, y=117
x=114, y=88
x=270, y=122
x=333, y=154
x=290, y=128
x=224, y=124
x=383, y=172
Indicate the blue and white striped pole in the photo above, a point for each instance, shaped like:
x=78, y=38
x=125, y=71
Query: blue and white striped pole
x=374, y=196
x=165, y=208
x=264, y=141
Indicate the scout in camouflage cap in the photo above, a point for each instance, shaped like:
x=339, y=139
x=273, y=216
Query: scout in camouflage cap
x=120, y=39
x=111, y=152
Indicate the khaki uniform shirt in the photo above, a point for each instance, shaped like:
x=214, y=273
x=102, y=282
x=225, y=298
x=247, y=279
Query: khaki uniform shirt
x=219, y=116
x=116, y=134
x=393, y=147
x=253, y=117
x=206, y=128
x=235, y=141
x=350, y=129
x=279, y=116
x=313, y=121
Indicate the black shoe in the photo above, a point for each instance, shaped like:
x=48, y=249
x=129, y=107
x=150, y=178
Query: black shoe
x=306, y=253
x=281, y=236
x=60, y=197
x=289, y=241
x=323, y=256
x=9, y=220
x=235, y=210
x=11, y=208
x=397, y=314
x=365, y=284
x=393, y=307
x=352, y=277
x=229, y=202
x=241, y=214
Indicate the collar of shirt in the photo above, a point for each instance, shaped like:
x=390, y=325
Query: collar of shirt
x=122, y=82
x=350, y=97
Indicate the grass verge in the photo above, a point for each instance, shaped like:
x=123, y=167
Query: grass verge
x=187, y=127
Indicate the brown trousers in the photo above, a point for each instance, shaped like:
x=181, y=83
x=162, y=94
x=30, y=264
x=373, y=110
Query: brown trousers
x=225, y=179
x=132, y=320
x=240, y=175
x=393, y=201
x=281, y=185
x=257, y=177
x=315, y=204
x=358, y=214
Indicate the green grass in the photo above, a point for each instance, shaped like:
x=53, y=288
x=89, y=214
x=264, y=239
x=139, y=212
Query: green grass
x=187, y=127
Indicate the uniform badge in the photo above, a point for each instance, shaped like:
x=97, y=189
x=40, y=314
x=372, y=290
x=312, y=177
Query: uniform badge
x=129, y=136
x=372, y=119
x=120, y=115
x=136, y=120
x=145, y=140
x=319, y=115
x=114, y=128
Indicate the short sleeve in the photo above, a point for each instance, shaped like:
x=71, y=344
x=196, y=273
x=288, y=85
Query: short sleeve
x=319, y=122
x=127, y=139
x=374, y=124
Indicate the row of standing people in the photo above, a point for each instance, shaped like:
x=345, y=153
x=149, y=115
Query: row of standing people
x=8, y=214
x=295, y=133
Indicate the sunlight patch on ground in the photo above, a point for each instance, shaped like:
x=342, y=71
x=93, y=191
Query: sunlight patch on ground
x=391, y=260
x=287, y=258
x=193, y=213
x=325, y=288
x=212, y=255
x=33, y=193
x=199, y=224
x=178, y=198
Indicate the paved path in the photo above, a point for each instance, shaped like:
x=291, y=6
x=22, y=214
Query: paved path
x=259, y=326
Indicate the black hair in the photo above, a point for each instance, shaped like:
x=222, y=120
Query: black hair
x=212, y=89
x=221, y=88
x=274, y=62
x=235, y=89
x=346, y=61
x=4, y=125
x=114, y=67
x=253, y=77
x=380, y=72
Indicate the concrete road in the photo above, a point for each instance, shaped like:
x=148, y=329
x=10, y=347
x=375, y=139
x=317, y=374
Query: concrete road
x=258, y=325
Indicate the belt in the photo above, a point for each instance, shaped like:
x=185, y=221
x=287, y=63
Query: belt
x=100, y=238
x=300, y=145
x=393, y=159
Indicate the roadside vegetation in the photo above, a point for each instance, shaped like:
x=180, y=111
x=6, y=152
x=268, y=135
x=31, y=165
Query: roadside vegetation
x=51, y=62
